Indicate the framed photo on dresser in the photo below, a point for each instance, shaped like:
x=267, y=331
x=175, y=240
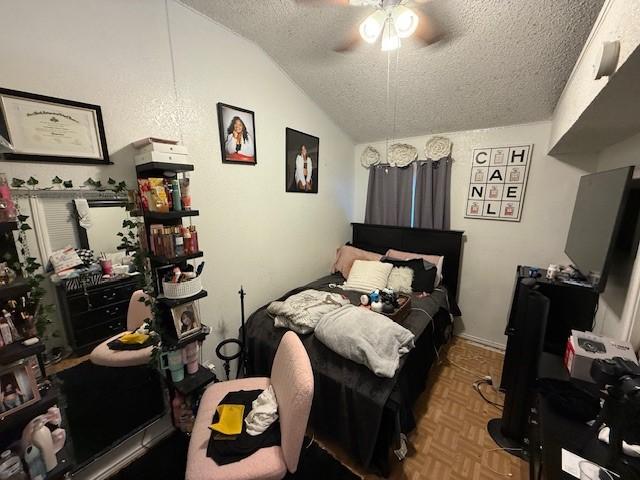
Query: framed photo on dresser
x=186, y=319
x=301, y=162
x=52, y=130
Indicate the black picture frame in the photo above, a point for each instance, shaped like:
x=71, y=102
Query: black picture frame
x=294, y=139
x=224, y=112
x=27, y=157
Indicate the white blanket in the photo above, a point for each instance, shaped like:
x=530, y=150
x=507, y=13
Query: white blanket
x=301, y=312
x=264, y=411
x=365, y=337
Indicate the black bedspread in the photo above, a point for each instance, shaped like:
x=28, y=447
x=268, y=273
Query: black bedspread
x=349, y=401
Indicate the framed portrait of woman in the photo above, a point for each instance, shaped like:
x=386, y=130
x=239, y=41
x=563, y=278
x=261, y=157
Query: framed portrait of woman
x=186, y=319
x=237, y=135
x=18, y=388
x=302, y=162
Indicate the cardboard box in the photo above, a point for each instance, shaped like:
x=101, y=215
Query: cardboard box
x=152, y=157
x=585, y=347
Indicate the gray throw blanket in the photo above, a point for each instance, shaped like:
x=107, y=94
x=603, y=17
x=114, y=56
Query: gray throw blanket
x=301, y=312
x=365, y=337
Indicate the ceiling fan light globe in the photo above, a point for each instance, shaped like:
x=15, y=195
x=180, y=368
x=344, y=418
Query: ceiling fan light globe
x=390, y=39
x=371, y=27
x=405, y=21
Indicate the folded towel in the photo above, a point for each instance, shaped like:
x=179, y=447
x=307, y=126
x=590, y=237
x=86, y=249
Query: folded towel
x=264, y=411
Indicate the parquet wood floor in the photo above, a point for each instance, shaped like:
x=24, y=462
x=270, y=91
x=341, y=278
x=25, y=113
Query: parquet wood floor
x=451, y=440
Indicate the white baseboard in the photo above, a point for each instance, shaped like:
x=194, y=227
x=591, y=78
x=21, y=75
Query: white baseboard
x=482, y=341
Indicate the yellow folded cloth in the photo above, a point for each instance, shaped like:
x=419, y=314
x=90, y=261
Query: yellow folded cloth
x=133, y=338
x=229, y=419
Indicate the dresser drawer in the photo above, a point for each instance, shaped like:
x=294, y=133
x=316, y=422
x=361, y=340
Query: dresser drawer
x=100, y=297
x=99, y=333
x=116, y=311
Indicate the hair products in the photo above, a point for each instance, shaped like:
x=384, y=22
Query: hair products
x=185, y=193
x=175, y=192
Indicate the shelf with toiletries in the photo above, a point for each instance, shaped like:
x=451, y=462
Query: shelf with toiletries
x=195, y=381
x=163, y=260
x=173, y=302
x=17, y=351
x=8, y=226
x=159, y=168
x=172, y=343
x=14, y=289
x=173, y=215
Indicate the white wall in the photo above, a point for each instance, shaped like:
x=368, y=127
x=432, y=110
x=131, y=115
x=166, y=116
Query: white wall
x=619, y=310
x=493, y=249
x=117, y=54
x=618, y=20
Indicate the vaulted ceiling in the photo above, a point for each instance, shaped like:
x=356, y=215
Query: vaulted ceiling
x=501, y=62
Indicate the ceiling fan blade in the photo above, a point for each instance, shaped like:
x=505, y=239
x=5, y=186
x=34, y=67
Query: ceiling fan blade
x=350, y=43
x=428, y=30
x=355, y=3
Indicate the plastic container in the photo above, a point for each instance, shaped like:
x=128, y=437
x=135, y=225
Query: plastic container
x=175, y=291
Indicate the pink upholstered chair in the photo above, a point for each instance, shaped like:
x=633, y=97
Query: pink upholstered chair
x=292, y=380
x=137, y=313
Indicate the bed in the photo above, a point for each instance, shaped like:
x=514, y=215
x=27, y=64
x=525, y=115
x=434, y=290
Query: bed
x=352, y=407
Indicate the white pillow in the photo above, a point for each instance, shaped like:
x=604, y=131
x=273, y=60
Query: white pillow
x=367, y=275
x=400, y=279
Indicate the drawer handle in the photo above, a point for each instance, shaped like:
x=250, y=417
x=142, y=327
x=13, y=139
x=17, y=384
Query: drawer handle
x=115, y=311
x=109, y=297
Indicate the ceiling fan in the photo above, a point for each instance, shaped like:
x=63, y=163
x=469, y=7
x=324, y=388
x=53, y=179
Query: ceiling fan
x=391, y=21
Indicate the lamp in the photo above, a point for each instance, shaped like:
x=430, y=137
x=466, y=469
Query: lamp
x=371, y=27
x=390, y=38
x=405, y=21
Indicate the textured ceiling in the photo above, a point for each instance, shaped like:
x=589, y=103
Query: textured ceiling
x=502, y=62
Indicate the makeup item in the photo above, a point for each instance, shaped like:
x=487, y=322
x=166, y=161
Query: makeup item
x=199, y=269
x=175, y=192
x=35, y=465
x=185, y=193
x=552, y=271
x=168, y=188
x=5, y=332
x=172, y=361
x=9, y=319
x=190, y=357
x=8, y=208
x=179, y=242
x=194, y=238
x=188, y=244
x=59, y=437
x=107, y=266
x=11, y=467
x=42, y=439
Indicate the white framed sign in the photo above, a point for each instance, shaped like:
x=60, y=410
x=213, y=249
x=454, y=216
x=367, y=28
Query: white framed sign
x=498, y=182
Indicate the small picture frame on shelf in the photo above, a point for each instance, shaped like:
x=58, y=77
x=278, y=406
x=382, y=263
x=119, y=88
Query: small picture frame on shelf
x=186, y=319
x=18, y=388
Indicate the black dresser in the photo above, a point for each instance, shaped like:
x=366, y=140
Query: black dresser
x=93, y=314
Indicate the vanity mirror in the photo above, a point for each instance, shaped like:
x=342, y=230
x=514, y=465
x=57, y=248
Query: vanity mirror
x=103, y=221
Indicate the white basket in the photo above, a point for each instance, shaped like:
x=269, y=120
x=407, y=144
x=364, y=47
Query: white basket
x=183, y=289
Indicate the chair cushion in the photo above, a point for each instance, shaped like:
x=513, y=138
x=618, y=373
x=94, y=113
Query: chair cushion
x=265, y=464
x=103, y=355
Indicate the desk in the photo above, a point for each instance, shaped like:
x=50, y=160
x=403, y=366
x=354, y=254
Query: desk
x=555, y=432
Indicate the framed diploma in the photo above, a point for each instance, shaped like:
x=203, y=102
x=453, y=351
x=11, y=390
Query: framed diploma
x=53, y=130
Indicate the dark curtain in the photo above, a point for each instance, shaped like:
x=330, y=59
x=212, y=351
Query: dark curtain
x=433, y=194
x=389, y=196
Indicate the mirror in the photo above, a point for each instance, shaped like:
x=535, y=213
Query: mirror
x=106, y=221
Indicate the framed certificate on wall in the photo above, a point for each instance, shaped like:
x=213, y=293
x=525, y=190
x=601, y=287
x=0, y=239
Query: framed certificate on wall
x=52, y=130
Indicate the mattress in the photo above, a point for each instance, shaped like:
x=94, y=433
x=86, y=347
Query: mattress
x=350, y=401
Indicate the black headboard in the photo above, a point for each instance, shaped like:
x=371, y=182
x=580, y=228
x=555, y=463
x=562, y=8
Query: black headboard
x=448, y=243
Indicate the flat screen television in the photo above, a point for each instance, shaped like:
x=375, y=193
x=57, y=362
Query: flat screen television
x=596, y=219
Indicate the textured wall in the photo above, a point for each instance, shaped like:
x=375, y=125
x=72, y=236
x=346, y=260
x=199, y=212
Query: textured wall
x=618, y=20
x=117, y=54
x=493, y=248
